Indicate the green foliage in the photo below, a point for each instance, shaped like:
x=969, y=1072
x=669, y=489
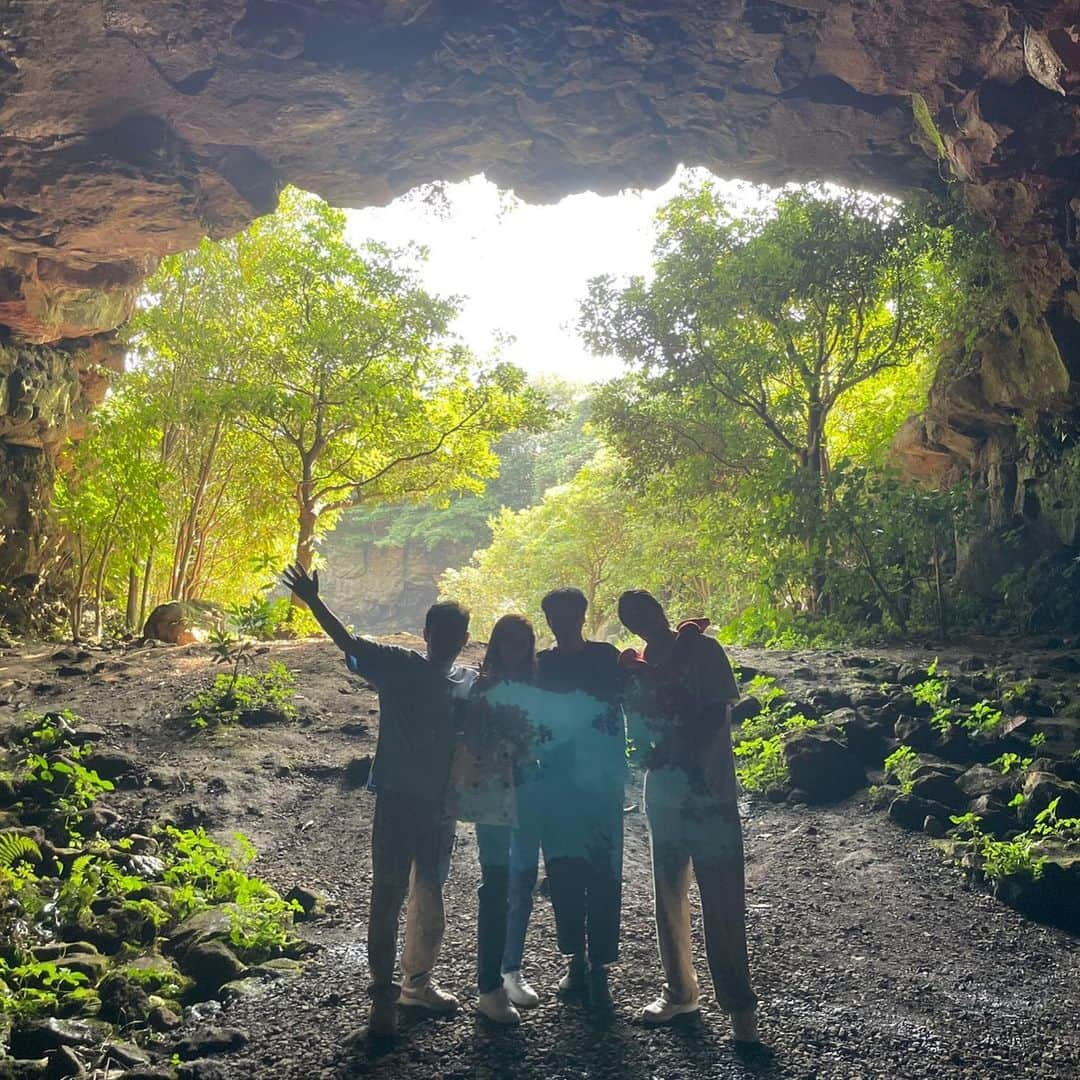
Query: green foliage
x=15, y=848
x=232, y=695
x=1009, y=761
x=36, y=988
x=1026, y=853
x=921, y=112
x=204, y=873
x=758, y=742
x=268, y=619
x=902, y=763
x=1037, y=740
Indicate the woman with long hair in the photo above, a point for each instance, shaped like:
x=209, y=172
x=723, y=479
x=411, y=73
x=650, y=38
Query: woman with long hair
x=494, y=752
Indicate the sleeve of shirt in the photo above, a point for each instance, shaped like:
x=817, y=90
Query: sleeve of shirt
x=379, y=664
x=716, y=683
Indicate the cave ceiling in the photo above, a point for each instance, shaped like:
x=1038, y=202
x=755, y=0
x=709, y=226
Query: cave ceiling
x=132, y=128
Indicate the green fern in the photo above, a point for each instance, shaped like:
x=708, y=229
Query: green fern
x=15, y=847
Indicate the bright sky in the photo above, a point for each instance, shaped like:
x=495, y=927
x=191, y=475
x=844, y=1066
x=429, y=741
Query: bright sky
x=523, y=269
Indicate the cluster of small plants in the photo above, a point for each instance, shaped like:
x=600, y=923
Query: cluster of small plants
x=124, y=895
x=759, y=740
x=232, y=695
x=267, y=619
x=1025, y=853
x=982, y=718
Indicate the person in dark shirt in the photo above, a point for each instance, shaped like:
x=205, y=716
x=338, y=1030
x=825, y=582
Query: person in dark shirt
x=412, y=836
x=679, y=702
x=583, y=761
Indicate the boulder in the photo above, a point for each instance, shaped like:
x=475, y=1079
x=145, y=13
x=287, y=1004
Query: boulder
x=822, y=766
x=182, y=622
x=210, y=1040
x=1040, y=789
x=984, y=780
x=911, y=811
x=863, y=737
x=312, y=903
x=211, y=964
x=35, y=1038
x=995, y=816
x=916, y=732
x=940, y=788
x=213, y=923
x=1053, y=897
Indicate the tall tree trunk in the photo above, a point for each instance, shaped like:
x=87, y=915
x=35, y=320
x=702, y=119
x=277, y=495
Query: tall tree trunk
x=813, y=471
x=307, y=519
x=191, y=522
x=99, y=590
x=131, y=612
x=144, y=599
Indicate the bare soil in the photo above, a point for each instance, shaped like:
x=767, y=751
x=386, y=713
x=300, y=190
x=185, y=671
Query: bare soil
x=871, y=957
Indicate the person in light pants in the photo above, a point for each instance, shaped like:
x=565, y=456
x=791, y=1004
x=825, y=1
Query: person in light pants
x=679, y=704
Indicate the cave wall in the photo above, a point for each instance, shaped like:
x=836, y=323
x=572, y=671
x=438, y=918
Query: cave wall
x=132, y=128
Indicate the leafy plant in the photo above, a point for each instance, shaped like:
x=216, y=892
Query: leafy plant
x=1009, y=761
x=902, y=763
x=202, y=873
x=229, y=697
x=16, y=847
x=982, y=718
x=758, y=742
x=36, y=987
x=1037, y=740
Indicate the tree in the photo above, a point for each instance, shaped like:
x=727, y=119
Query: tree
x=754, y=329
x=108, y=501
x=292, y=370
x=343, y=367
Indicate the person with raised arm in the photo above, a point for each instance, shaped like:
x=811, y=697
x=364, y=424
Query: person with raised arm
x=421, y=696
x=678, y=706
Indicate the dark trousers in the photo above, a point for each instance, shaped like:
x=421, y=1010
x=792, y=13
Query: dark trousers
x=491, y=919
x=585, y=876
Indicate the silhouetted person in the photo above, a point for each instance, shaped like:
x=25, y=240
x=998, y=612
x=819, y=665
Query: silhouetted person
x=412, y=836
x=489, y=766
x=582, y=750
x=679, y=707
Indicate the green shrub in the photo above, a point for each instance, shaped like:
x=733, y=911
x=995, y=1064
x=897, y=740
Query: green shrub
x=232, y=695
x=758, y=742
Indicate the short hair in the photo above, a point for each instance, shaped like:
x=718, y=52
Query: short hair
x=572, y=599
x=449, y=614
x=637, y=596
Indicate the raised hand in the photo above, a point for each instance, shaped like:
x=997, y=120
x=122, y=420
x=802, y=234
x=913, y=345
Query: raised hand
x=300, y=582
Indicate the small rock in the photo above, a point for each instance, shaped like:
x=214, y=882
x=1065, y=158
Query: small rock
x=211, y=964
x=910, y=675
x=911, y=812
x=127, y=1054
x=92, y=965
x=114, y=765
x=64, y=1063
x=312, y=903
x=915, y=731
x=162, y=1018
x=1040, y=789
x=983, y=780
x=933, y=826
x=211, y=1040
x=250, y=986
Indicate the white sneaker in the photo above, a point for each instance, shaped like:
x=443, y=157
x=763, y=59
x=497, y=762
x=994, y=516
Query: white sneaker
x=429, y=997
x=519, y=991
x=744, y=1026
x=663, y=1010
x=495, y=1005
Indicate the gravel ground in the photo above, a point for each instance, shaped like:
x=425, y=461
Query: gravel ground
x=870, y=956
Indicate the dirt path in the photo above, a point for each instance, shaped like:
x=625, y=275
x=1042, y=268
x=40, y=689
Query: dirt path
x=870, y=956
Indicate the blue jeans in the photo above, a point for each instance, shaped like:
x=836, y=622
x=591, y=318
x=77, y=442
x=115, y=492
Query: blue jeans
x=524, y=865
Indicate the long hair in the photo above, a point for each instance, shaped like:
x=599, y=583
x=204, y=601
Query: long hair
x=494, y=666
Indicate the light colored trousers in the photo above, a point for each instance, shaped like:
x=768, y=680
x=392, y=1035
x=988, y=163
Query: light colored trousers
x=691, y=829
x=411, y=844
